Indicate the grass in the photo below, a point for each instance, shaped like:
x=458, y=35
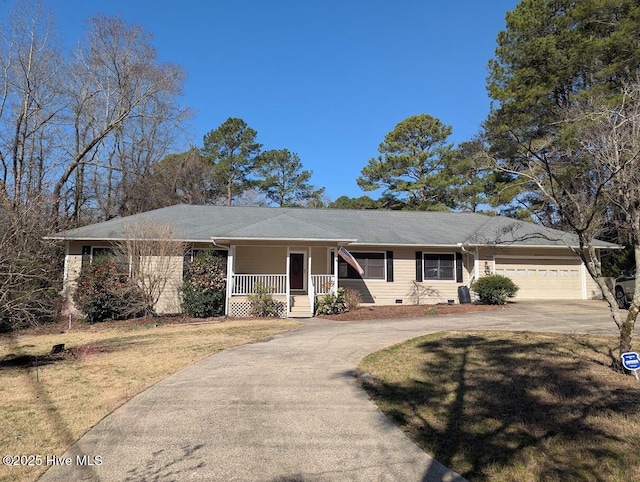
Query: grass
x=497, y=406
x=46, y=408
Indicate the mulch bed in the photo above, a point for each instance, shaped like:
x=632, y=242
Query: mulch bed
x=409, y=311
x=361, y=313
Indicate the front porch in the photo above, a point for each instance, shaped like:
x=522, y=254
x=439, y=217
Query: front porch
x=294, y=276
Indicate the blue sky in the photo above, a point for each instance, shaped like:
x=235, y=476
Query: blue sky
x=325, y=79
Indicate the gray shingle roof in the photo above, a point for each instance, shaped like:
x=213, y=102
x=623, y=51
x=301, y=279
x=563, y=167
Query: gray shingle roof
x=364, y=227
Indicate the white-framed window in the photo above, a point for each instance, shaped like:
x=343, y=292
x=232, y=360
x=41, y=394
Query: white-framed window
x=373, y=264
x=99, y=251
x=439, y=266
x=123, y=266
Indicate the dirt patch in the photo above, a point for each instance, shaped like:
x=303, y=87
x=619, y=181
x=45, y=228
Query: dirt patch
x=409, y=311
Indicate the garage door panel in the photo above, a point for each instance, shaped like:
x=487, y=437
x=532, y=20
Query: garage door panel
x=543, y=278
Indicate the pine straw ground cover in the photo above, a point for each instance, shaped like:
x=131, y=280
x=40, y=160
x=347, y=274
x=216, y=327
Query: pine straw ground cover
x=49, y=402
x=513, y=406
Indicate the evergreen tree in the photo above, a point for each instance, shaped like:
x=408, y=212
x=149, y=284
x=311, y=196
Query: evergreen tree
x=232, y=150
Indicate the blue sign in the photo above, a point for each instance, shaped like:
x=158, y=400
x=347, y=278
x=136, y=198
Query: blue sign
x=630, y=360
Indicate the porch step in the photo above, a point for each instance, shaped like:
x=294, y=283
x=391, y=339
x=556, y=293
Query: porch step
x=299, y=306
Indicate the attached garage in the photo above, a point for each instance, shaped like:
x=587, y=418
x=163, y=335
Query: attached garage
x=543, y=278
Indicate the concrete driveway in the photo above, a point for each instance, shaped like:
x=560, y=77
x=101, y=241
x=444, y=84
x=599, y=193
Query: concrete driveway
x=289, y=409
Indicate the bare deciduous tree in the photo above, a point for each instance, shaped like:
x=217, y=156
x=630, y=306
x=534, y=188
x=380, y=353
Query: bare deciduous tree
x=28, y=265
x=589, y=169
x=155, y=258
x=29, y=100
x=76, y=135
x=120, y=101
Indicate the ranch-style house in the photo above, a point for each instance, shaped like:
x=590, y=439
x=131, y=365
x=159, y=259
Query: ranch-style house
x=406, y=256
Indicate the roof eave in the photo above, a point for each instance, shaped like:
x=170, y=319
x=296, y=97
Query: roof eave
x=408, y=245
x=224, y=239
x=518, y=245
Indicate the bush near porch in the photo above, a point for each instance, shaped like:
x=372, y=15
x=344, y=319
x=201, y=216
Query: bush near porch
x=203, y=290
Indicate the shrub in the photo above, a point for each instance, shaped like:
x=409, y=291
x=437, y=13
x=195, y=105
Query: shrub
x=203, y=290
x=331, y=304
x=201, y=304
x=352, y=299
x=262, y=302
x=494, y=289
x=104, y=293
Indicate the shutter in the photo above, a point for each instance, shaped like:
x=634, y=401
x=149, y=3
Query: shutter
x=389, y=266
x=418, y=265
x=186, y=260
x=224, y=254
x=458, y=267
x=86, y=256
x=332, y=263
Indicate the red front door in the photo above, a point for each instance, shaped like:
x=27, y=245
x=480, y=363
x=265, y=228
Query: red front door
x=296, y=271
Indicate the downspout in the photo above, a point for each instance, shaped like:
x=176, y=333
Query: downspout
x=475, y=266
x=213, y=241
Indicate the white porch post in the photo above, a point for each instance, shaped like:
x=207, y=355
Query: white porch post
x=230, y=267
x=288, y=283
x=310, y=288
x=334, y=287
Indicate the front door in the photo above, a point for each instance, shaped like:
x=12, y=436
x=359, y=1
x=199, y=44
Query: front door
x=296, y=271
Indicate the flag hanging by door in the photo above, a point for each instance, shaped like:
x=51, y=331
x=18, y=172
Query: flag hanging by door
x=348, y=257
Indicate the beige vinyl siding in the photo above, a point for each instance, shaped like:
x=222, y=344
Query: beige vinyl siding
x=260, y=260
x=592, y=289
x=169, y=300
x=319, y=260
x=73, y=266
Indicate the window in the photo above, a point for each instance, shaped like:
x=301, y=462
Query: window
x=373, y=265
x=97, y=252
x=123, y=266
x=439, y=267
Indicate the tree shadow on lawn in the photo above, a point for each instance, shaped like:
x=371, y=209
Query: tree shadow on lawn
x=20, y=360
x=481, y=403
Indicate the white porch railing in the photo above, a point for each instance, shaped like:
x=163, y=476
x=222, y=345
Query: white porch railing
x=322, y=283
x=244, y=284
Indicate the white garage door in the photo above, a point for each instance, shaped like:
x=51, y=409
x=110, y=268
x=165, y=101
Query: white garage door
x=549, y=279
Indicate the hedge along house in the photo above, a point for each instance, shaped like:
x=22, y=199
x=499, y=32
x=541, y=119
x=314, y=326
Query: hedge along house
x=408, y=257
